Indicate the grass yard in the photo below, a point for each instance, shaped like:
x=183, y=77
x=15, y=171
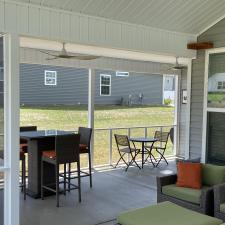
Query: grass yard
x=216, y=99
x=71, y=117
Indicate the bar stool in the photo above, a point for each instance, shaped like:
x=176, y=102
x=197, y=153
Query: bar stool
x=84, y=148
x=23, y=171
x=23, y=152
x=66, y=151
x=23, y=142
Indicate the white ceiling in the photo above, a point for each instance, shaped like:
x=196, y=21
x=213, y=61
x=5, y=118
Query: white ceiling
x=188, y=16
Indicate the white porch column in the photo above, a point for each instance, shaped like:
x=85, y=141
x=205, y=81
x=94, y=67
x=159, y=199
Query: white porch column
x=188, y=118
x=91, y=106
x=177, y=113
x=11, y=184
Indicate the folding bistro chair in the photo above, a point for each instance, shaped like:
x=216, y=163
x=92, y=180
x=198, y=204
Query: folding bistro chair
x=160, y=145
x=123, y=146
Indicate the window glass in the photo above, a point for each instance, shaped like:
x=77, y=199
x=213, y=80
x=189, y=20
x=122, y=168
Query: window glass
x=50, y=78
x=105, y=84
x=216, y=81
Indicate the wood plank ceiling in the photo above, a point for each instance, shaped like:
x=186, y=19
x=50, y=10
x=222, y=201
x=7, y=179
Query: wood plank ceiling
x=188, y=16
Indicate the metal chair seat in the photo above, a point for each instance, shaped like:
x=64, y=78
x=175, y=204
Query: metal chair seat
x=128, y=150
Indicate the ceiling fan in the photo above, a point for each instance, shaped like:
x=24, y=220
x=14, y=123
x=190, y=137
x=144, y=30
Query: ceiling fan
x=177, y=66
x=64, y=55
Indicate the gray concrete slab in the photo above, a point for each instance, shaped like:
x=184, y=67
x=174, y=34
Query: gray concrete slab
x=114, y=191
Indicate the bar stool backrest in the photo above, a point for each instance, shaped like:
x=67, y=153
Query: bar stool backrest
x=67, y=148
x=85, y=136
x=24, y=129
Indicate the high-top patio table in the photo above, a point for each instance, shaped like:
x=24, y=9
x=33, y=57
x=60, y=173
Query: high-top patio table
x=39, y=141
x=144, y=140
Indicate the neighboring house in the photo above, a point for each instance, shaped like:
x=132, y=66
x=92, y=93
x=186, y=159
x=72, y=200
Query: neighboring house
x=52, y=85
x=216, y=83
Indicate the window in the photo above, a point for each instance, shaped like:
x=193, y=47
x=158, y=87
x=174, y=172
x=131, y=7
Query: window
x=105, y=85
x=221, y=85
x=122, y=74
x=50, y=78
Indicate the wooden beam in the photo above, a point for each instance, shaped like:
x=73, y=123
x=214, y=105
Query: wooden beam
x=200, y=45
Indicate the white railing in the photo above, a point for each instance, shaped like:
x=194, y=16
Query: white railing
x=107, y=148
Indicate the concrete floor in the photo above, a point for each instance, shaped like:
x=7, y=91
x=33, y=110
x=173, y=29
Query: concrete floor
x=114, y=191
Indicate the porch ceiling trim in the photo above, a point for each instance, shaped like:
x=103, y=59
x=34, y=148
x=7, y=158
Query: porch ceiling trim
x=48, y=23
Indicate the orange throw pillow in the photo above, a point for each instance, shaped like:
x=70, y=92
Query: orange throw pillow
x=189, y=175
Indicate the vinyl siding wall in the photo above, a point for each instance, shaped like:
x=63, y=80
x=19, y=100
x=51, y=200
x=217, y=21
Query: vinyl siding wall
x=72, y=86
x=136, y=83
x=216, y=34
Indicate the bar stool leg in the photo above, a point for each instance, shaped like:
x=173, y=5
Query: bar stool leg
x=24, y=177
x=42, y=179
x=69, y=176
x=64, y=179
x=90, y=169
x=57, y=184
x=79, y=182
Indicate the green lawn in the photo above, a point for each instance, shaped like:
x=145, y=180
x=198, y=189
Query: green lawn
x=216, y=99
x=71, y=117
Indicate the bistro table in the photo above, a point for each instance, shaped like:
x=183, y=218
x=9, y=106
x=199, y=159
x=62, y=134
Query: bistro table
x=39, y=141
x=144, y=140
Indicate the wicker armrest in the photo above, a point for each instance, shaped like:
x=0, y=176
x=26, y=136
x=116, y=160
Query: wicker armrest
x=219, y=196
x=206, y=196
x=166, y=180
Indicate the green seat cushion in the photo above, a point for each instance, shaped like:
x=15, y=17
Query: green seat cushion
x=222, y=208
x=165, y=213
x=212, y=174
x=182, y=193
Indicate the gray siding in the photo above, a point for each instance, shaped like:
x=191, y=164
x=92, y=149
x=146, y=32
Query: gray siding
x=149, y=85
x=216, y=34
x=72, y=86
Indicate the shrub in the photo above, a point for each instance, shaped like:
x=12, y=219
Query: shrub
x=167, y=101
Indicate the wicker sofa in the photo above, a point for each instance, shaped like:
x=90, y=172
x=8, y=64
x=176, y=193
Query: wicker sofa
x=198, y=200
x=219, y=201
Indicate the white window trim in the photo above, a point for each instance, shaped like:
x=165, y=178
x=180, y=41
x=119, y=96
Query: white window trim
x=207, y=109
x=220, y=85
x=51, y=71
x=105, y=75
x=122, y=75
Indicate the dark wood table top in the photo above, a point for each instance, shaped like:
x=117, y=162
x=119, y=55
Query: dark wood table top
x=43, y=134
x=143, y=139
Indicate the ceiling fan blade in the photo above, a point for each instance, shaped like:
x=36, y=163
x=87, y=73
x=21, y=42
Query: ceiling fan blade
x=84, y=57
x=47, y=53
x=52, y=58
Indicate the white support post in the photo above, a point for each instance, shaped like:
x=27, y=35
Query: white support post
x=110, y=146
x=91, y=107
x=176, y=114
x=188, y=115
x=11, y=184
